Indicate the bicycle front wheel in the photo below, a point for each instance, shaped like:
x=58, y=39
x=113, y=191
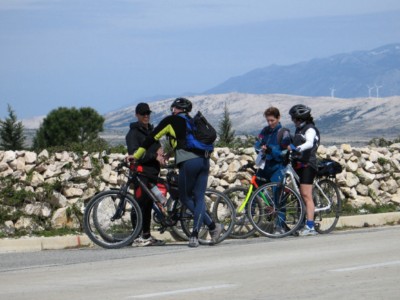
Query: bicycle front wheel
x=328, y=205
x=105, y=227
x=219, y=208
x=243, y=227
x=276, y=211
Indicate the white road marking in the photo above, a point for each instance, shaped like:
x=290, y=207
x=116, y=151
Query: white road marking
x=390, y=263
x=199, y=289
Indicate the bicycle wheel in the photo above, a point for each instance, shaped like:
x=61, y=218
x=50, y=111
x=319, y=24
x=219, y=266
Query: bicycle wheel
x=220, y=209
x=243, y=227
x=327, y=200
x=104, y=227
x=176, y=230
x=276, y=213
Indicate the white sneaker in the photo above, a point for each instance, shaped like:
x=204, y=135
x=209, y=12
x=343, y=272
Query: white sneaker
x=307, y=231
x=141, y=242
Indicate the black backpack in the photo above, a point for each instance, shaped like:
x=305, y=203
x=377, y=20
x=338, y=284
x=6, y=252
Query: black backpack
x=200, y=133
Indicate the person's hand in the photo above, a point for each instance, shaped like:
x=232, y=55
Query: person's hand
x=266, y=149
x=293, y=148
x=161, y=157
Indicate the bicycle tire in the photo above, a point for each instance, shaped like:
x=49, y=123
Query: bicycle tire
x=276, y=220
x=220, y=209
x=243, y=228
x=176, y=231
x=326, y=221
x=105, y=232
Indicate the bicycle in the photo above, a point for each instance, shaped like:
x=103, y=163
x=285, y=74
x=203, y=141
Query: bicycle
x=285, y=210
x=240, y=196
x=113, y=218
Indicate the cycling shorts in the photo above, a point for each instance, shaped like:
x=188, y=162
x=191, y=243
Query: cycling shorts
x=306, y=174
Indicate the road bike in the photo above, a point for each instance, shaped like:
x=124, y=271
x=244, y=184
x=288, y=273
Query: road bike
x=113, y=219
x=284, y=211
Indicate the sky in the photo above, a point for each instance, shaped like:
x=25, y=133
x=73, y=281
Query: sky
x=111, y=54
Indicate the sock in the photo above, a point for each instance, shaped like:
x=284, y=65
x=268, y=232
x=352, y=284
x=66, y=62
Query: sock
x=195, y=234
x=310, y=224
x=146, y=235
x=211, y=226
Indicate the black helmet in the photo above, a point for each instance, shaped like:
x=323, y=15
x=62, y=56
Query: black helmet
x=182, y=103
x=300, y=111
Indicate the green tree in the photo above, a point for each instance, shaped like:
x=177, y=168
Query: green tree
x=11, y=132
x=225, y=132
x=65, y=126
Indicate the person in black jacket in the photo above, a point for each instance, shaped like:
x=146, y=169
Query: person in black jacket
x=150, y=164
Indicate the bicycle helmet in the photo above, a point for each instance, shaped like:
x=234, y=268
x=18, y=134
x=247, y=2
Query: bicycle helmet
x=300, y=111
x=182, y=103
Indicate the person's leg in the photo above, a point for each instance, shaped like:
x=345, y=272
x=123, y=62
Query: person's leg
x=277, y=177
x=193, y=176
x=306, y=193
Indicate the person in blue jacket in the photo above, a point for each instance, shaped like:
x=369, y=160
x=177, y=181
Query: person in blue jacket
x=271, y=146
x=272, y=142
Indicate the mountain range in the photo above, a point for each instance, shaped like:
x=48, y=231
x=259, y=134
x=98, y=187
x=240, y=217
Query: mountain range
x=349, y=75
x=339, y=120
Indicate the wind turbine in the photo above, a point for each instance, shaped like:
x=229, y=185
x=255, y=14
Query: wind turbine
x=370, y=88
x=332, y=92
x=377, y=90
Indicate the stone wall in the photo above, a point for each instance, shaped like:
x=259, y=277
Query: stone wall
x=42, y=191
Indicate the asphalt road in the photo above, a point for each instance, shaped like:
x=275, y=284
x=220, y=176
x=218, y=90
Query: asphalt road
x=356, y=264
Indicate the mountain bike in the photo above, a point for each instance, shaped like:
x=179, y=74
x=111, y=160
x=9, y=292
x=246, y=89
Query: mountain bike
x=284, y=210
x=113, y=218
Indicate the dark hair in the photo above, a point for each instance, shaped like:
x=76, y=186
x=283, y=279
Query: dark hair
x=272, y=111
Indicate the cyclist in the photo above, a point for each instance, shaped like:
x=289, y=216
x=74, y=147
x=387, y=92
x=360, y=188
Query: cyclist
x=193, y=168
x=305, y=142
x=271, y=146
x=149, y=164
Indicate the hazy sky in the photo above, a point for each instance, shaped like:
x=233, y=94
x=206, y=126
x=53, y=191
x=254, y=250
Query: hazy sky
x=110, y=54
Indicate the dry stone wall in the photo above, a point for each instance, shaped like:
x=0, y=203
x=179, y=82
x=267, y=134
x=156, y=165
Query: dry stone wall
x=42, y=191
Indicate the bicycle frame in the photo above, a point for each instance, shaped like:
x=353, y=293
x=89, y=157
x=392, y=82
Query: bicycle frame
x=325, y=208
x=253, y=184
x=295, y=183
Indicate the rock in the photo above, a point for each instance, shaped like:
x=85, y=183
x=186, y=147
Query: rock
x=390, y=186
x=9, y=156
x=72, y=192
x=58, y=200
x=9, y=228
x=61, y=218
x=365, y=177
x=352, y=166
x=362, y=189
x=26, y=224
x=44, y=154
x=351, y=180
x=3, y=167
x=346, y=148
x=30, y=157
x=234, y=166
x=37, y=179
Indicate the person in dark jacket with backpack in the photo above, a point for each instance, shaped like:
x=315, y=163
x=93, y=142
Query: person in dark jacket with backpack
x=271, y=147
x=149, y=164
x=305, y=142
x=193, y=166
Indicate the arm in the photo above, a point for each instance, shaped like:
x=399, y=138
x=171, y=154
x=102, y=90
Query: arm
x=163, y=128
x=310, y=138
